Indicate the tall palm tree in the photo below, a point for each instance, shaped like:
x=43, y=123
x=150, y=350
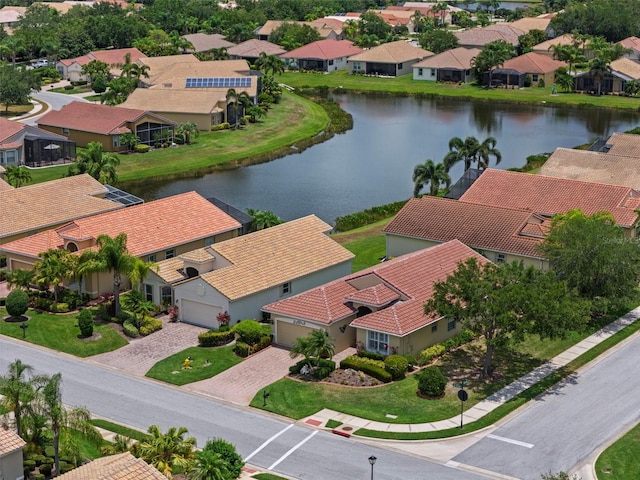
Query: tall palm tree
x=17, y=391
x=54, y=267
x=209, y=465
x=270, y=64
x=20, y=278
x=598, y=68
x=17, y=176
x=139, y=272
x=96, y=162
x=429, y=172
x=14, y=46
x=236, y=99
x=168, y=451
x=187, y=130
x=567, y=53
x=136, y=303
x=460, y=150
x=487, y=149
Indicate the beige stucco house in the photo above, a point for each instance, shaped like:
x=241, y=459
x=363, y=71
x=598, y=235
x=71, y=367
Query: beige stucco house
x=449, y=66
x=392, y=59
x=241, y=275
x=323, y=55
x=380, y=307
x=11, y=462
x=71, y=68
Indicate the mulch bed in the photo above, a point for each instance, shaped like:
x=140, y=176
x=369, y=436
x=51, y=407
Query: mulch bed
x=348, y=378
x=20, y=319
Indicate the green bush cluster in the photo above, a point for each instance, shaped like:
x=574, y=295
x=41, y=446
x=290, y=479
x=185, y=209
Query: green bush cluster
x=427, y=355
x=367, y=217
x=141, y=148
x=220, y=126
x=249, y=331
x=29, y=465
x=130, y=329
x=371, y=355
x=59, y=307
x=397, y=366
x=411, y=361
x=373, y=368
x=45, y=469
x=431, y=381
x=85, y=323
x=17, y=303
x=215, y=338
x=150, y=325
x=316, y=362
x=241, y=349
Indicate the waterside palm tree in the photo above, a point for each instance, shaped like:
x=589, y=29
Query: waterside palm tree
x=431, y=173
x=96, y=162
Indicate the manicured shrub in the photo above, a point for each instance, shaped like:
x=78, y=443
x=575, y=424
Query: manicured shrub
x=130, y=330
x=45, y=469
x=85, y=323
x=426, y=356
x=224, y=328
x=66, y=467
x=316, y=362
x=68, y=87
x=17, y=303
x=397, y=366
x=38, y=459
x=141, y=148
x=431, y=381
x=249, y=331
x=241, y=349
x=371, y=355
x=411, y=362
x=59, y=307
x=373, y=368
x=263, y=343
x=214, y=338
x=150, y=325
x=39, y=476
x=220, y=126
x=321, y=372
x=227, y=451
x=366, y=217
x=457, y=340
x=29, y=465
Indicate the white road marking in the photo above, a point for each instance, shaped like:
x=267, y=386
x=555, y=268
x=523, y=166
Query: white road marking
x=509, y=440
x=293, y=449
x=267, y=443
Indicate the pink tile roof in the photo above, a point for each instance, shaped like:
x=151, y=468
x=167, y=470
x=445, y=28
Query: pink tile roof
x=482, y=36
x=455, y=59
x=8, y=129
x=110, y=57
x=534, y=63
x=631, y=42
x=150, y=227
x=252, y=48
x=377, y=296
x=92, y=117
x=10, y=441
x=409, y=277
x=549, y=195
x=324, y=50
x=482, y=227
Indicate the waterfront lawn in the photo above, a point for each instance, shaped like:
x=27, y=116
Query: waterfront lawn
x=206, y=362
x=60, y=332
x=620, y=460
x=406, y=85
x=366, y=243
x=292, y=120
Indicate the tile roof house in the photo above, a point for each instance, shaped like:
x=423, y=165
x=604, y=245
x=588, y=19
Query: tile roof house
x=85, y=122
x=391, y=59
x=323, y=55
x=203, y=42
x=498, y=233
x=71, y=68
x=9, y=16
x=251, y=50
x=159, y=65
x=156, y=230
x=546, y=47
x=548, y=196
x=479, y=37
x=449, y=66
x=42, y=206
x=326, y=28
x=622, y=71
x=381, y=306
x=539, y=68
x=11, y=445
x=526, y=24
x=122, y=466
x=22, y=144
x=633, y=44
x=241, y=275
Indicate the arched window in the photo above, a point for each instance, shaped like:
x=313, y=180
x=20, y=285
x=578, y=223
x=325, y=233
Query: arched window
x=192, y=272
x=72, y=247
x=362, y=311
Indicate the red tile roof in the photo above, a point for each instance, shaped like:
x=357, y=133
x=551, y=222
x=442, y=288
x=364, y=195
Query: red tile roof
x=481, y=36
x=324, y=50
x=122, y=466
x=454, y=59
x=410, y=278
x=482, y=227
x=252, y=48
x=549, y=196
x=150, y=227
x=533, y=63
x=631, y=42
x=92, y=117
x=110, y=57
x=10, y=441
x=8, y=129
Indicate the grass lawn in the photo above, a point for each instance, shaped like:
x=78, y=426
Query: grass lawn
x=406, y=85
x=620, y=460
x=268, y=476
x=72, y=91
x=88, y=449
x=15, y=110
x=60, y=332
x=293, y=120
x=366, y=243
x=205, y=363
x=120, y=429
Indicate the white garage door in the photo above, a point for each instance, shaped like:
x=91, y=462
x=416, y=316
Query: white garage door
x=200, y=314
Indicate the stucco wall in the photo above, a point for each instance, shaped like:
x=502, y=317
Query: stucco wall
x=11, y=466
x=429, y=74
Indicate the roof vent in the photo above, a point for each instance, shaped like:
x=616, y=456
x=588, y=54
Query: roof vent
x=167, y=85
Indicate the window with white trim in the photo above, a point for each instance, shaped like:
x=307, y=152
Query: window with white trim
x=285, y=289
x=377, y=342
x=170, y=253
x=148, y=292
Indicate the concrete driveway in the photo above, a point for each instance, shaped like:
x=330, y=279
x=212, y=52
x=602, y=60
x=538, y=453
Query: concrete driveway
x=143, y=353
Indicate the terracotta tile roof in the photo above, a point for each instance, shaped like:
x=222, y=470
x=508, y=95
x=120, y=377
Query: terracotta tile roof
x=202, y=41
x=253, y=48
x=288, y=251
x=534, y=63
x=588, y=166
x=393, y=52
x=51, y=203
x=10, y=441
x=110, y=57
x=455, y=59
x=527, y=24
x=482, y=227
x=410, y=276
x=169, y=100
x=479, y=37
x=8, y=129
x=626, y=67
x=631, y=42
x=325, y=27
x=544, y=47
x=324, y=50
x=123, y=466
x=4, y=186
x=376, y=296
x=549, y=195
x=95, y=118
x=150, y=227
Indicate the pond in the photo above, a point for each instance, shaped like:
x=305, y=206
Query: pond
x=373, y=163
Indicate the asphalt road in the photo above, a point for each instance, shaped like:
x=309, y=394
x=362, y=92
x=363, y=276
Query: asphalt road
x=55, y=100
x=268, y=442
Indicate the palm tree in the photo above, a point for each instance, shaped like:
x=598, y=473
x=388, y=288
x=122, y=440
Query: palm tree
x=429, y=172
x=187, y=129
x=168, y=451
x=54, y=267
x=14, y=46
x=136, y=303
x=139, y=272
x=567, y=53
x=460, y=150
x=320, y=344
x=598, y=68
x=270, y=64
x=20, y=278
x=17, y=391
x=120, y=444
x=487, y=149
x=209, y=465
x=236, y=99
x=50, y=49
x=112, y=256
x=96, y=162
x=17, y=176
x=263, y=219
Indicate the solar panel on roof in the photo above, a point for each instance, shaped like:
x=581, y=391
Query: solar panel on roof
x=218, y=82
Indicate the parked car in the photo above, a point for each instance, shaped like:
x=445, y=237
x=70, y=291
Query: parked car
x=40, y=62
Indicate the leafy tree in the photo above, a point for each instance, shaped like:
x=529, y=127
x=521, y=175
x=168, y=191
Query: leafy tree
x=156, y=44
x=565, y=81
x=180, y=43
x=120, y=444
x=431, y=381
x=17, y=303
x=492, y=56
x=54, y=267
x=17, y=176
x=20, y=278
x=237, y=99
x=96, y=162
x=168, y=451
x=429, y=172
x=438, y=41
x=270, y=64
x=502, y=303
x=11, y=47
x=593, y=255
x=293, y=35
x=568, y=53
x=95, y=69
x=599, y=67
x=632, y=88
x=372, y=24
x=17, y=390
x=208, y=461
x=119, y=89
x=441, y=8
x=187, y=130
x=528, y=40
x=85, y=322
x=263, y=219
x=16, y=85
x=129, y=140
x=136, y=303
x=37, y=26
x=99, y=84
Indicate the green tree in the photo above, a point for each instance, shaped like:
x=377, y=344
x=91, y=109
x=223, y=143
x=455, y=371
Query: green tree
x=96, y=162
x=632, y=88
x=263, y=219
x=430, y=173
x=17, y=303
x=502, y=303
x=139, y=271
x=599, y=67
x=168, y=451
x=492, y=56
x=120, y=444
x=17, y=176
x=12, y=47
x=20, y=278
x=270, y=64
x=119, y=89
x=99, y=84
x=95, y=69
x=461, y=151
x=528, y=40
x=16, y=85
x=565, y=81
x=54, y=267
x=568, y=53
x=188, y=130
x=314, y=346
x=441, y=8
x=136, y=303
x=372, y=24
x=218, y=460
x=236, y=100
x=437, y=41
x=485, y=150
x=129, y=140
x=293, y=35
x=17, y=390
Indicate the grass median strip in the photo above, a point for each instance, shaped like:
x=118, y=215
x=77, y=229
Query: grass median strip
x=120, y=429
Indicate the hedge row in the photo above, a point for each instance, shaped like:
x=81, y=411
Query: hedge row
x=373, y=368
x=367, y=217
x=214, y=338
x=427, y=355
x=243, y=349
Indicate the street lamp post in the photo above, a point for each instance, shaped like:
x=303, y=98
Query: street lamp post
x=372, y=461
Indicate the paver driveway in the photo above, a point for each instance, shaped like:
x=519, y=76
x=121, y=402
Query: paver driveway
x=143, y=353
